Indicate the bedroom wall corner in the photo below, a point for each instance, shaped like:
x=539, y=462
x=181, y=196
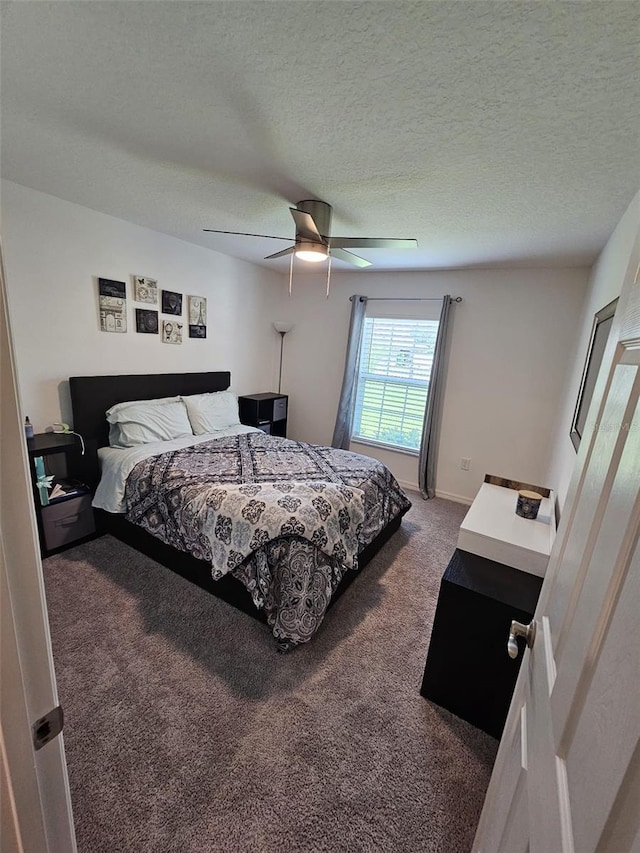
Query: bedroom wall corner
x=55, y=251
x=605, y=284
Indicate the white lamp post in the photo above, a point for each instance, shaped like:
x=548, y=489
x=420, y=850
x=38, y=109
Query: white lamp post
x=282, y=329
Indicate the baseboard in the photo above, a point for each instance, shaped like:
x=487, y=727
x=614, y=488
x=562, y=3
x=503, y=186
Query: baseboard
x=459, y=499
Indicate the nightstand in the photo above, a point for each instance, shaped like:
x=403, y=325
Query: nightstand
x=68, y=519
x=266, y=411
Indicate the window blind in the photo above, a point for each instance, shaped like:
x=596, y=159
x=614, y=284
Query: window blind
x=396, y=357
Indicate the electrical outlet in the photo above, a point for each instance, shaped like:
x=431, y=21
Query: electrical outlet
x=465, y=463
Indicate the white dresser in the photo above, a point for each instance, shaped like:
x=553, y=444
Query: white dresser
x=492, y=529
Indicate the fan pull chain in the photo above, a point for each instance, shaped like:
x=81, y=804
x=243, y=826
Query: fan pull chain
x=328, y=275
x=290, y=272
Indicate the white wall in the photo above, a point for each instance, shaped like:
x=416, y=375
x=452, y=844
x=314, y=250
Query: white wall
x=511, y=344
x=605, y=284
x=514, y=365
x=55, y=251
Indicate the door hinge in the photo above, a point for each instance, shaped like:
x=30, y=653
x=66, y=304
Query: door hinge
x=47, y=727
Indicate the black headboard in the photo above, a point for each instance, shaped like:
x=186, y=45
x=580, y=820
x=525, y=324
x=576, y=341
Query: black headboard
x=91, y=396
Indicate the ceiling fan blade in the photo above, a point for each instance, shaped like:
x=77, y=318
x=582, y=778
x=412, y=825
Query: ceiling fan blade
x=372, y=243
x=349, y=257
x=288, y=251
x=305, y=226
x=244, y=234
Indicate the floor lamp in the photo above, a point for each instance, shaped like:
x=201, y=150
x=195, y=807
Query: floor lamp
x=281, y=329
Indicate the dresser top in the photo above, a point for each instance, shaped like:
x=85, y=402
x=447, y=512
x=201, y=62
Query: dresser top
x=492, y=529
x=45, y=443
x=267, y=395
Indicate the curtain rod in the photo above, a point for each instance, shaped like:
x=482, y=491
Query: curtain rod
x=407, y=298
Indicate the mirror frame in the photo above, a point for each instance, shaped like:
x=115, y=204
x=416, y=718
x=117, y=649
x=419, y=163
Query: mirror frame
x=591, y=368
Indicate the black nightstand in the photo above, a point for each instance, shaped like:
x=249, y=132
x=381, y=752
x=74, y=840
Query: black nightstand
x=468, y=670
x=68, y=519
x=266, y=411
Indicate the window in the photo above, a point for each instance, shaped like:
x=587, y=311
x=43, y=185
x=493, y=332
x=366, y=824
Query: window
x=393, y=379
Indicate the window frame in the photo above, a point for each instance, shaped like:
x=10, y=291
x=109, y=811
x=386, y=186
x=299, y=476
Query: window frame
x=389, y=380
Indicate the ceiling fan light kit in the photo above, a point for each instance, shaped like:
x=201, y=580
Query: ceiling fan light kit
x=314, y=243
x=312, y=252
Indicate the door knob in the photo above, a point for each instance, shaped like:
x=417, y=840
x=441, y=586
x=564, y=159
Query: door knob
x=520, y=630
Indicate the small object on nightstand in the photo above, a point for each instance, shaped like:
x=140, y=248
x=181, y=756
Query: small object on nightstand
x=28, y=428
x=528, y=504
x=43, y=482
x=267, y=412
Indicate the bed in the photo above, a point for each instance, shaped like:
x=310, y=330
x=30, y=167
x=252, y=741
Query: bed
x=276, y=527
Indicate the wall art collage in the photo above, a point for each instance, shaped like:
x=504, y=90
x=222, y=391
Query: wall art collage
x=112, y=299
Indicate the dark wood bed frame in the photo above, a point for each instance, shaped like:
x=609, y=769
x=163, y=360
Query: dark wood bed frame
x=91, y=396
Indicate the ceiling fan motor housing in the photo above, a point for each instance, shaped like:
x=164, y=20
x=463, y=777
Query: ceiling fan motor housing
x=321, y=213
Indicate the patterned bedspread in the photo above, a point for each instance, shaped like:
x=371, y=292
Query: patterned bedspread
x=286, y=518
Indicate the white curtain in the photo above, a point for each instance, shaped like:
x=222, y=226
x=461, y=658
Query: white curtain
x=433, y=409
x=347, y=404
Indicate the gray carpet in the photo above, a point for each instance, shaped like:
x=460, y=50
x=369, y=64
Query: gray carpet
x=186, y=731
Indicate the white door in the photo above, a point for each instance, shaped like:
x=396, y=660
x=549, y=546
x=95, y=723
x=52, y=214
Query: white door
x=567, y=773
x=36, y=807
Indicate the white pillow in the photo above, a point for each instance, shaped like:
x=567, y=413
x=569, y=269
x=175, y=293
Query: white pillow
x=144, y=421
x=120, y=407
x=211, y=412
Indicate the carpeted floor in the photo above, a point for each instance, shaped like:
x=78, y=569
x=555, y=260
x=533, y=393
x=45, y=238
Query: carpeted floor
x=186, y=731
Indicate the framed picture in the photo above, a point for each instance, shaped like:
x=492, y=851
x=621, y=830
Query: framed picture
x=197, y=317
x=146, y=321
x=171, y=332
x=171, y=303
x=599, y=333
x=145, y=290
x=112, y=298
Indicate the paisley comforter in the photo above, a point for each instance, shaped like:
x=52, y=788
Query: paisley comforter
x=286, y=518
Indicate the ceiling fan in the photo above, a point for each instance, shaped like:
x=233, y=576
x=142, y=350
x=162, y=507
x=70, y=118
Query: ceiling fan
x=313, y=240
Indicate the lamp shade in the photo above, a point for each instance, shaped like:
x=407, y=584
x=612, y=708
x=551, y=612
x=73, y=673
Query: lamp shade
x=282, y=327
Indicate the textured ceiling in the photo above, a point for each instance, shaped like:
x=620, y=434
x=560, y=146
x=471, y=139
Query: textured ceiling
x=494, y=133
